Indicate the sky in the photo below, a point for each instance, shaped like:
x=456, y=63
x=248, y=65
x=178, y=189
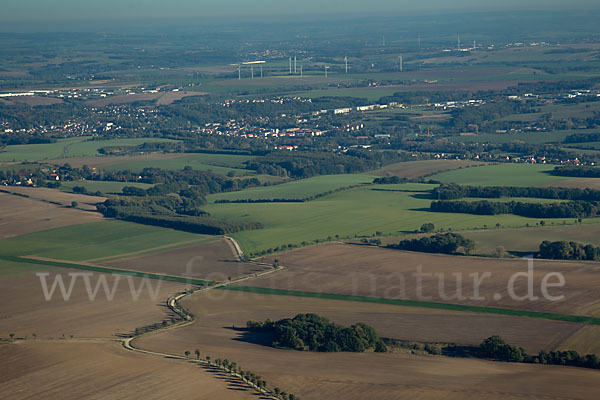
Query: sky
x=65, y=10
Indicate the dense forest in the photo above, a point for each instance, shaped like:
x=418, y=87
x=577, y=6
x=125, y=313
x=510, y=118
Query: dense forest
x=312, y=332
x=569, y=209
x=446, y=243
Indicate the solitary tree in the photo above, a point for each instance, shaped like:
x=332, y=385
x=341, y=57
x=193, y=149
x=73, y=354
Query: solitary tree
x=12, y=335
x=426, y=228
x=187, y=353
x=197, y=352
x=34, y=335
x=500, y=252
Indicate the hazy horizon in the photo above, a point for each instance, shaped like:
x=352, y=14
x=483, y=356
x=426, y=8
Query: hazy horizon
x=64, y=10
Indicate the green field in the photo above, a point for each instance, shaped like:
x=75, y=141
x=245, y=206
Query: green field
x=106, y=187
x=296, y=189
x=64, y=148
x=218, y=163
x=501, y=175
x=359, y=211
x=94, y=240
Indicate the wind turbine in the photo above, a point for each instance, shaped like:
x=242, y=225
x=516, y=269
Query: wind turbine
x=346, y=61
x=326, y=68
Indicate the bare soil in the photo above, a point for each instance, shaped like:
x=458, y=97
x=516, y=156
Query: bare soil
x=580, y=183
x=102, y=370
x=24, y=309
x=56, y=196
x=211, y=261
x=22, y=215
x=360, y=375
x=418, y=169
x=378, y=272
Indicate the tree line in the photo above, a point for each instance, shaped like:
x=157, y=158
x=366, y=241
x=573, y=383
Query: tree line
x=451, y=191
x=568, y=209
x=445, y=243
x=305, y=165
x=577, y=171
x=287, y=200
x=496, y=348
x=582, y=138
x=177, y=215
x=311, y=332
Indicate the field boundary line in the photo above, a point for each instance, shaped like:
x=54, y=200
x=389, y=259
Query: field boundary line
x=415, y=303
x=109, y=270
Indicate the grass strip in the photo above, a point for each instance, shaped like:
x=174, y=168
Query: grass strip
x=106, y=270
x=415, y=303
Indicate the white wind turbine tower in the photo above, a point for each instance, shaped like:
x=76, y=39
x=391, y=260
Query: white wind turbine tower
x=295, y=70
x=326, y=68
x=346, y=62
x=400, y=63
x=290, y=65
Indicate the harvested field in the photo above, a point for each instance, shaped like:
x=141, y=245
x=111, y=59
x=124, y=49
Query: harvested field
x=160, y=98
x=418, y=169
x=580, y=183
x=24, y=309
x=171, y=97
x=358, y=375
x=377, y=272
x=22, y=215
x=54, y=196
x=102, y=370
x=209, y=261
x=32, y=101
x=527, y=240
x=124, y=99
x=584, y=341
